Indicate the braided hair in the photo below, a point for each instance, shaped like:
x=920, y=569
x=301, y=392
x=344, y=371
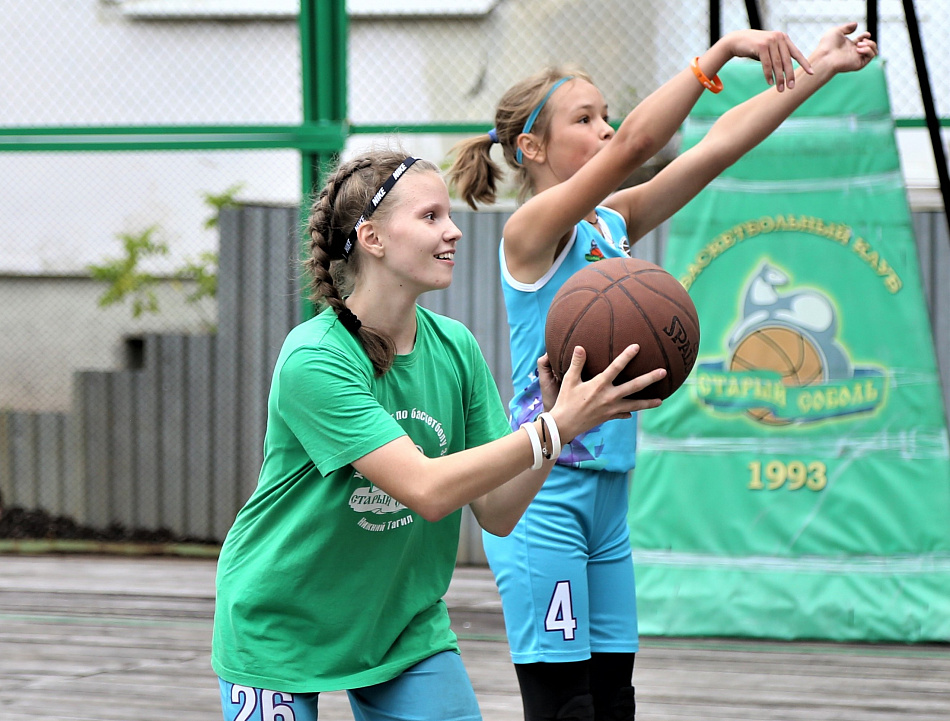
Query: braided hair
x=333, y=268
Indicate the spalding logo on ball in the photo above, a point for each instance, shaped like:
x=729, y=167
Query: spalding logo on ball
x=616, y=302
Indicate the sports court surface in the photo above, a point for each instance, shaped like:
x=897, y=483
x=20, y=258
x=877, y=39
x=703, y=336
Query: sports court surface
x=108, y=638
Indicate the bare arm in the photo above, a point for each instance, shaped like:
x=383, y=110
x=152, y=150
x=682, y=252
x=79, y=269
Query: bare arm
x=735, y=133
x=496, y=478
x=535, y=230
x=499, y=510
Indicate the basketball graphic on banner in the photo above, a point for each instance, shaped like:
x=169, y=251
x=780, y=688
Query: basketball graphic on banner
x=785, y=351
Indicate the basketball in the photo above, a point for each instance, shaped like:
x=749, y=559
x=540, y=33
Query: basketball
x=613, y=303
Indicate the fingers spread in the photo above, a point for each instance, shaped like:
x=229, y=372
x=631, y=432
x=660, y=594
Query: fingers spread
x=620, y=362
x=640, y=382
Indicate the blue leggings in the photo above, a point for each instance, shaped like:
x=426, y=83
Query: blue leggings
x=436, y=689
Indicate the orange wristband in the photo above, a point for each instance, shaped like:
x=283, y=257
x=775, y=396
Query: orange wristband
x=713, y=86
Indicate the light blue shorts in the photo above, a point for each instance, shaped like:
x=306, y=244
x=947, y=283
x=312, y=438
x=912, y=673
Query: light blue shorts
x=437, y=689
x=565, y=573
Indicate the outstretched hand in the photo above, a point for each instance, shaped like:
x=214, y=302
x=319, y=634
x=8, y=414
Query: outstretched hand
x=581, y=405
x=772, y=48
x=847, y=54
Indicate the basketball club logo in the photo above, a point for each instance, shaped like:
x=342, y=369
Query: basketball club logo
x=374, y=504
x=784, y=362
x=594, y=253
x=377, y=510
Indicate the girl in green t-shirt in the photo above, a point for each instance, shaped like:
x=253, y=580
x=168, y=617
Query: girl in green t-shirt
x=383, y=422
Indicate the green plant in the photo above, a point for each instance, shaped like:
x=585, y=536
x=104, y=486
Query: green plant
x=204, y=272
x=123, y=276
x=125, y=279
x=226, y=199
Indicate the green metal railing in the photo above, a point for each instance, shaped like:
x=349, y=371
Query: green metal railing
x=313, y=137
x=320, y=137
x=323, y=44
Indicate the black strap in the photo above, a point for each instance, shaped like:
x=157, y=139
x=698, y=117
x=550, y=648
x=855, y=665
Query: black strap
x=374, y=203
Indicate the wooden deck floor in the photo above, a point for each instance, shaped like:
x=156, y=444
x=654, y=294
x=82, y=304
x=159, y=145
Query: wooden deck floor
x=108, y=638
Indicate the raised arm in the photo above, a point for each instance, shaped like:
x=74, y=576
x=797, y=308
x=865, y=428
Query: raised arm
x=661, y=114
x=736, y=132
x=533, y=233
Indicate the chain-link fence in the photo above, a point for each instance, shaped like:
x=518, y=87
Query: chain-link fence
x=446, y=68
x=103, y=248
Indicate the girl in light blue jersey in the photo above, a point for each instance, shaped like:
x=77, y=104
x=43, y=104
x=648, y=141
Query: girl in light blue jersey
x=565, y=574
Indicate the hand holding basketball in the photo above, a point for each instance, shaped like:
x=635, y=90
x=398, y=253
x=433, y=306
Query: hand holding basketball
x=581, y=404
x=550, y=385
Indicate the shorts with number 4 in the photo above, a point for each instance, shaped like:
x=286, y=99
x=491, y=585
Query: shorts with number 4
x=565, y=573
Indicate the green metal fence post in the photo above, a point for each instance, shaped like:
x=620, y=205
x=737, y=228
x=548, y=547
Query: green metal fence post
x=323, y=42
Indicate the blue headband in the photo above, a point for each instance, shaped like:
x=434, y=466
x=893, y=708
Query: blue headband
x=537, y=111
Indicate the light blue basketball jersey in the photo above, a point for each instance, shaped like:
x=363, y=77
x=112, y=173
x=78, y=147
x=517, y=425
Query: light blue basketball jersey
x=610, y=446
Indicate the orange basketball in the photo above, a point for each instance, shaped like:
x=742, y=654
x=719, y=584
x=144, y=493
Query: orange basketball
x=613, y=303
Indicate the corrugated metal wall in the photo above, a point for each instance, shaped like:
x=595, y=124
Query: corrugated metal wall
x=177, y=443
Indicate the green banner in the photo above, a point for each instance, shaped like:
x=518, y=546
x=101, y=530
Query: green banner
x=799, y=485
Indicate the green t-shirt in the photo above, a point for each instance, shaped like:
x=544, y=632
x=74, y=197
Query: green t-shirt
x=324, y=581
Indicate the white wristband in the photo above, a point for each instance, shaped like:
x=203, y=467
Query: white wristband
x=535, y=444
x=547, y=421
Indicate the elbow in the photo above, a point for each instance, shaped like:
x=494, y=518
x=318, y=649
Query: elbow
x=637, y=142
x=432, y=508
x=637, y=146
x=500, y=525
x=499, y=529
x=432, y=515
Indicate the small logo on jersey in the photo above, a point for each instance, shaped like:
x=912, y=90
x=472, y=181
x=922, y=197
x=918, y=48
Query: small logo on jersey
x=431, y=439
x=595, y=253
x=370, y=499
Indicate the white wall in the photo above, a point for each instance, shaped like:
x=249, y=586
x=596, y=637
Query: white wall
x=81, y=62
x=61, y=329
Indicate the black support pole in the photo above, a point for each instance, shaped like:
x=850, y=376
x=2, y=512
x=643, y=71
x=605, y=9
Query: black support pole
x=715, y=21
x=930, y=111
x=872, y=18
x=752, y=9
